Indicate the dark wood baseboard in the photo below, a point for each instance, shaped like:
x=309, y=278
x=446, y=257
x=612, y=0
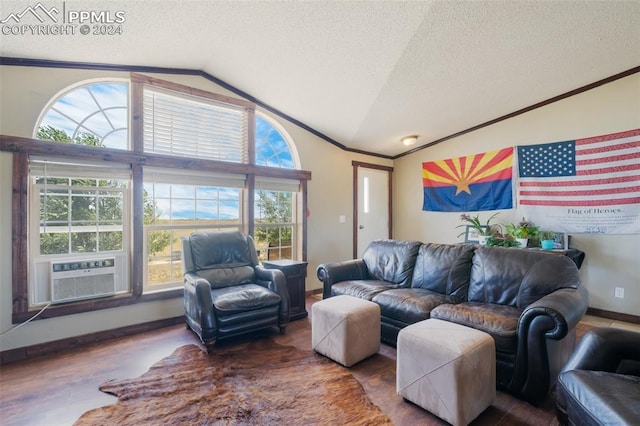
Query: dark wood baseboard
x=312, y=292
x=21, y=354
x=634, y=319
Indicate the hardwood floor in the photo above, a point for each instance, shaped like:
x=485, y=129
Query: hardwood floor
x=56, y=389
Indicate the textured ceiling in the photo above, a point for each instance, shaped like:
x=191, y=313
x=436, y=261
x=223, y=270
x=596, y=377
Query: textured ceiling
x=364, y=73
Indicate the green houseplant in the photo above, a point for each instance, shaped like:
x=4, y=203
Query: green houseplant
x=484, y=231
x=522, y=231
x=546, y=239
x=499, y=240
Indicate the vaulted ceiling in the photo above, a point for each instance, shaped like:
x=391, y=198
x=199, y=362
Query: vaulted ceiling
x=363, y=73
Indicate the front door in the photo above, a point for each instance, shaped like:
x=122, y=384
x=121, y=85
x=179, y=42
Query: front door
x=373, y=199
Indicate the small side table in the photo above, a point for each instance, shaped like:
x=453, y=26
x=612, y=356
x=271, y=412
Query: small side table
x=295, y=272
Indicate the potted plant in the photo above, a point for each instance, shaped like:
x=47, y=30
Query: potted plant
x=499, y=240
x=522, y=231
x=484, y=231
x=546, y=240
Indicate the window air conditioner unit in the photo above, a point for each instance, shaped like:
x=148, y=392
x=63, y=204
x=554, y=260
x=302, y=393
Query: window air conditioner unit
x=83, y=279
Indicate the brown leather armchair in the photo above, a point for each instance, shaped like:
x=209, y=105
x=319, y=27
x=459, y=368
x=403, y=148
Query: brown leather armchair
x=226, y=291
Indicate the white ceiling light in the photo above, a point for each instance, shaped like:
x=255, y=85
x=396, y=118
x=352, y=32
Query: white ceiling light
x=409, y=140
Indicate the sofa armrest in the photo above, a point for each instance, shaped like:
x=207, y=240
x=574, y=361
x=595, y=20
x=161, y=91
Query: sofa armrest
x=605, y=349
x=275, y=281
x=553, y=316
x=564, y=308
x=600, y=349
x=331, y=273
x=198, y=303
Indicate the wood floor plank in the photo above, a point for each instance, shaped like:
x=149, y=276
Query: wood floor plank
x=56, y=389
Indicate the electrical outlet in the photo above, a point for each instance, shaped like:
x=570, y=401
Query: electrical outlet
x=619, y=292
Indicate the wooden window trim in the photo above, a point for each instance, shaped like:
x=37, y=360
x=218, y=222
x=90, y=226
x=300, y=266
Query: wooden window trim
x=136, y=159
x=23, y=147
x=176, y=87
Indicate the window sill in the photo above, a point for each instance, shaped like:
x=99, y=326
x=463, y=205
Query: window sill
x=95, y=305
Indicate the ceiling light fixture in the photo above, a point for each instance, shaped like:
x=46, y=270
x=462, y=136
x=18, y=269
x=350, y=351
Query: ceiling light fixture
x=409, y=140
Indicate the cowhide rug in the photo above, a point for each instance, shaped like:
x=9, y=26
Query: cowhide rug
x=258, y=383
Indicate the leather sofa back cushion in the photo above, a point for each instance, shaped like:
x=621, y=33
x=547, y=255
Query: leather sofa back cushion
x=518, y=277
x=443, y=268
x=217, y=249
x=391, y=260
x=225, y=277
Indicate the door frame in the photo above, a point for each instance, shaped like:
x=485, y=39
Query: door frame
x=356, y=165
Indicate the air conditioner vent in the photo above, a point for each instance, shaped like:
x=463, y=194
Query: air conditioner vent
x=82, y=279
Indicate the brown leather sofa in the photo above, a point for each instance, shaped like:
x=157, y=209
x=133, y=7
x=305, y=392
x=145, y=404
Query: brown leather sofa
x=527, y=300
x=600, y=384
x=226, y=291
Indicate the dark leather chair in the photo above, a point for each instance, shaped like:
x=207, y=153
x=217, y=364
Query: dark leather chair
x=600, y=384
x=226, y=291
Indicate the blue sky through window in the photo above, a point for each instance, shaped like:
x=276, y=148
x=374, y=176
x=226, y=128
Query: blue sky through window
x=100, y=109
x=271, y=148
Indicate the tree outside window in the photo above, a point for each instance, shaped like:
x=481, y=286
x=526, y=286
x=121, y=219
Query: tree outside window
x=274, y=224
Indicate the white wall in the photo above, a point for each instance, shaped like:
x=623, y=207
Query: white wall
x=25, y=93
x=611, y=260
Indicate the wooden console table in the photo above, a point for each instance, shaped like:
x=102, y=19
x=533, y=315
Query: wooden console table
x=295, y=272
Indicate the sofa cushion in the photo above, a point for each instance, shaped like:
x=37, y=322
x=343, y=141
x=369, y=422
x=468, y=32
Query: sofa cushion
x=223, y=276
x=409, y=305
x=515, y=277
x=364, y=289
x=242, y=298
x=500, y=321
x=598, y=397
x=444, y=268
x=210, y=249
x=391, y=260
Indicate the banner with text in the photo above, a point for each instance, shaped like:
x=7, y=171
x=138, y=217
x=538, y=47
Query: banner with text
x=582, y=186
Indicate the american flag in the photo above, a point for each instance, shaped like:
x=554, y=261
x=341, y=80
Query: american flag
x=598, y=171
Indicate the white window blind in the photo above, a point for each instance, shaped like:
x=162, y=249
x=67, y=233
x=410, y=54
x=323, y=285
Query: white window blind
x=54, y=167
x=184, y=125
x=193, y=177
x=277, y=184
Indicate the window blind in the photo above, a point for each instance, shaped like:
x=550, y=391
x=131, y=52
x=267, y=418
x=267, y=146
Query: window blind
x=184, y=125
x=42, y=166
x=277, y=184
x=193, y=177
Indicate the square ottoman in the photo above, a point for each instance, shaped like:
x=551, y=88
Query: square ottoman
x=345, y=329
x=447, y=369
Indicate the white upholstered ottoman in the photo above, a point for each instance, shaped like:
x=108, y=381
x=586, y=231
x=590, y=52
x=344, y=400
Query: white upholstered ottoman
x=447, y=369
x=345, y=329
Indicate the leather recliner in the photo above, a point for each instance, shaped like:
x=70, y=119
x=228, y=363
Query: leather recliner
x=600, y=383
x=226, y=290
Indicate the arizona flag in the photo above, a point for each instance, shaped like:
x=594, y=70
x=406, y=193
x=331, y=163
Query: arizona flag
x=472, y=183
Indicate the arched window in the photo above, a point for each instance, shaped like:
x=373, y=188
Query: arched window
x=86, y=210
x=89, y=114
x=273, y=146
x=276, y=201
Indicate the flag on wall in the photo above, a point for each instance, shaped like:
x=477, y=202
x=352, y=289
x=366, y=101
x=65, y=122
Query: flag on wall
x=472, y=183
x=585, y=185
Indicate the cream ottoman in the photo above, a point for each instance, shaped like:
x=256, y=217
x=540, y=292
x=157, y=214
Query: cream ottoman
x=345, y=329
x=447, y=369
